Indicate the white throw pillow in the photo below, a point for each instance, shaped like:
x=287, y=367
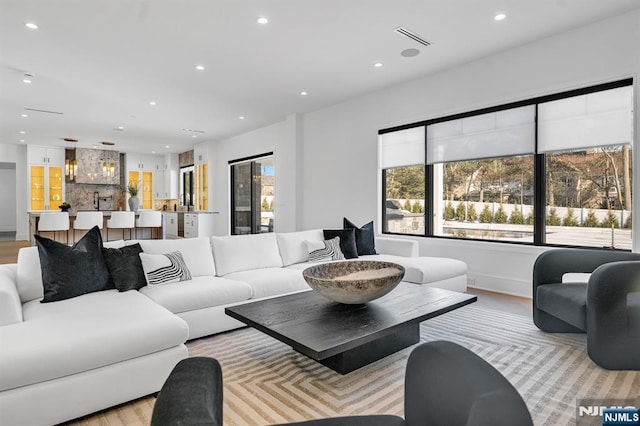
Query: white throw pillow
x=164, y=268
x=29, y=275
x=292, y=245
x=320, y=251
x=196, y=252
x=235, y=253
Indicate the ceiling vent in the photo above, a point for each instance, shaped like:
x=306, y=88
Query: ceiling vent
x=44, y=111
x=193, y=131
x=413, y=36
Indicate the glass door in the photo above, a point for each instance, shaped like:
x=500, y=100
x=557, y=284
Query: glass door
x=37, y=188
x=202, y=187
x=252, y=184
x=56, y=195
x=187, y=186
x=147, y=190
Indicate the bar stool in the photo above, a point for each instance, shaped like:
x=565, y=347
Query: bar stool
x=149, y=219
x=87, y=220
x=54, y=222
x=122, y=220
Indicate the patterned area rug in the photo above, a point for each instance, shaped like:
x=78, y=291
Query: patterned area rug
x=267, y=382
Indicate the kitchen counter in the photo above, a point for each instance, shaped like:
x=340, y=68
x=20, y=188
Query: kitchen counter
x=187, y=224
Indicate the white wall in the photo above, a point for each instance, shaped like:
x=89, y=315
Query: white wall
x=8, y=191
x=339, y=167
x=8, y=153
x=280, y=138
x=8, y=211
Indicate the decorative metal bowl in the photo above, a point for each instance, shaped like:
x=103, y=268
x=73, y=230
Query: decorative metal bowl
x=354, y=282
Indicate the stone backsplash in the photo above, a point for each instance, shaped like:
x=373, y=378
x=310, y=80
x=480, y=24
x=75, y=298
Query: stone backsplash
x=81, y=196
x=90, y=166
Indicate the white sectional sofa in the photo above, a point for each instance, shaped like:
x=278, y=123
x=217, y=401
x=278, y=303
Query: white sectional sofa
x=65, y=359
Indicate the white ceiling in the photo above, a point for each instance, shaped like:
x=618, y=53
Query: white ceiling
x=100, y=62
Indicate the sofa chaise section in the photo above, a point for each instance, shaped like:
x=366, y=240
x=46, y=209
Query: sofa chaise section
x=69, y=358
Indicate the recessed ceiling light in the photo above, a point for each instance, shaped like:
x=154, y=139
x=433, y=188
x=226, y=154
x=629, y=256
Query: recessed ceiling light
x=23, y=115
x=200, y=67
x=500, y=17
x=27, y=80
x=167, y=146
x=153, y=152
x=152, y=103
x=303, y=93
x=31, y=25
x=262, y=20
x=241, y=117
x=21, y=140
x=120, y=128
x=377, y=64
x=194, y=136
x=22, y=132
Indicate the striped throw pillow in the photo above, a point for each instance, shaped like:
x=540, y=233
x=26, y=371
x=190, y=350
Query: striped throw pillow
x=164, y=268
x=320, y=251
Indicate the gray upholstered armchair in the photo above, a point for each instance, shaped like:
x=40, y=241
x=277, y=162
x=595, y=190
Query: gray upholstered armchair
x=444, y=384
x=607, y=307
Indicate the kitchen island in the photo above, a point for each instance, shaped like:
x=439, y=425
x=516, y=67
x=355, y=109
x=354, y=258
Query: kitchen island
x=34, y=217
x=187, y=224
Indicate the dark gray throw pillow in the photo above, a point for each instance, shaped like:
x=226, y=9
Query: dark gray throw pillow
x=125, y=267
x=347, y=241
x=365, y=237
x=73, y=271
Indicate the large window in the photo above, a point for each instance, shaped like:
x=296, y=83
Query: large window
x=487, y=199
x=402, y=162
x=586, y=141
x=555, y=170
x=404, y=200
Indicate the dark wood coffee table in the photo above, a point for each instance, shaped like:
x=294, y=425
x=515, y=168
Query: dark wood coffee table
x=347, y=337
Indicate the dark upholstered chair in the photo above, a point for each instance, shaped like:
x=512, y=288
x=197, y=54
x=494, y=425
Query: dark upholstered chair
x=607, y=307
x=445, y=384
x=191, y=395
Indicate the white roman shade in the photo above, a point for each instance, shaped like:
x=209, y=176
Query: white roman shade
x=402, y=148
x=587, y=121
x=498, y=134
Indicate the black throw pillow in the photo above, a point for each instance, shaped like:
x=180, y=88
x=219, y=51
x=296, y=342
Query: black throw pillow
x=125, y=267
x=365, y=237
x=347, y=241
x=73, y=271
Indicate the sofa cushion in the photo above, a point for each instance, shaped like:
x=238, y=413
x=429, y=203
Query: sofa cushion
x=365, y=237
x=320, y=251
x=292, y=246
x=424, y=270
x=195, y=251
x=84, y=333
x=125, y=267
x=567, y=301
x=73, y=271
x=235, y=253
x=198, y=293
x=164, y=268
x=267, y=282
x=29, y=275
x=347, y=241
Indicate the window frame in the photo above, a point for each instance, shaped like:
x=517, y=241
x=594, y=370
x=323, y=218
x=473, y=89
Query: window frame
x=539, y=175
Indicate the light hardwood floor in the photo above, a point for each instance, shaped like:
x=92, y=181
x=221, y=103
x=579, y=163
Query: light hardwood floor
x=9, y=250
